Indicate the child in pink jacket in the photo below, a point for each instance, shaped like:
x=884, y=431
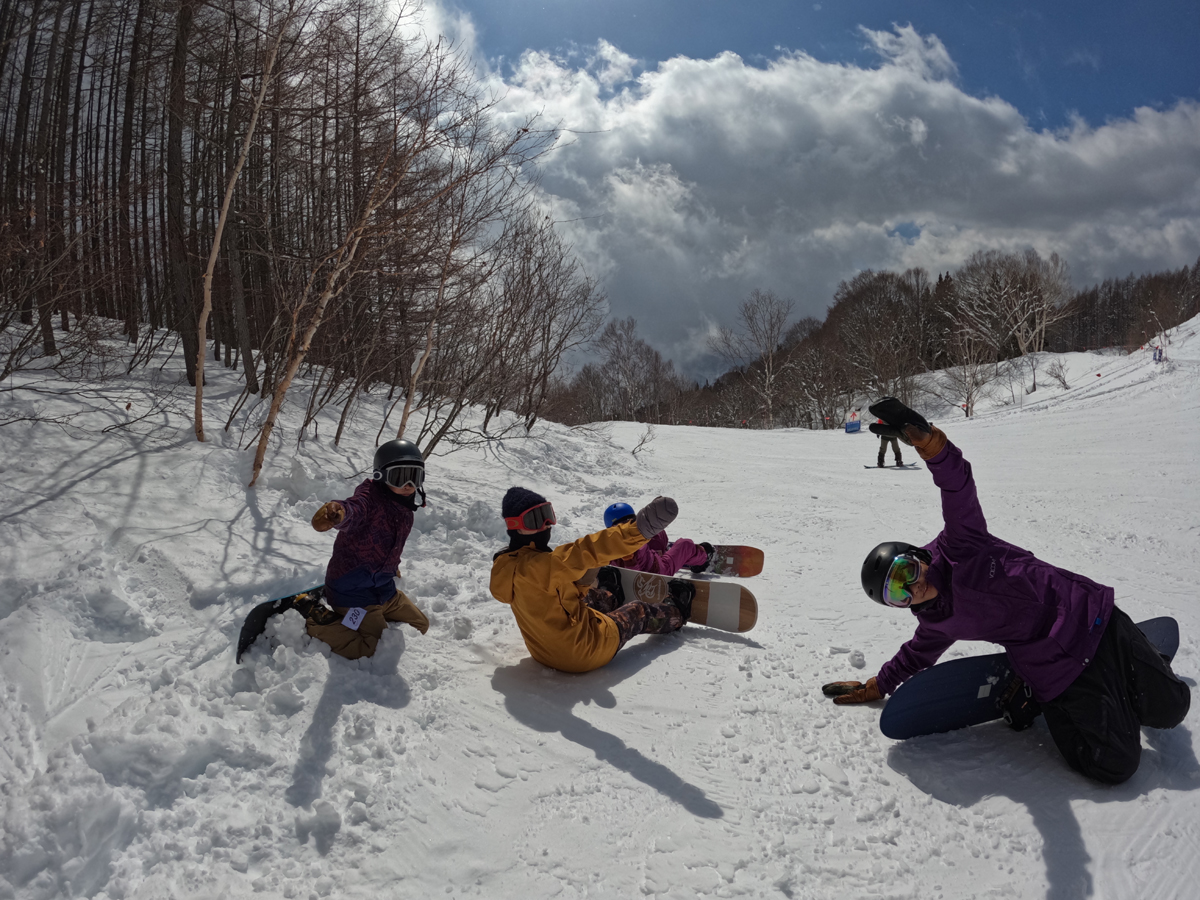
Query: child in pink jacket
x=659, y=555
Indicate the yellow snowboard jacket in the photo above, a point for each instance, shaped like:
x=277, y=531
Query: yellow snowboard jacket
x=559, y=630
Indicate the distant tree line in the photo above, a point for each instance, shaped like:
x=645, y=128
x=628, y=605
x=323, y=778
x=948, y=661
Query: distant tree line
x=983, y=328
x=278, y=186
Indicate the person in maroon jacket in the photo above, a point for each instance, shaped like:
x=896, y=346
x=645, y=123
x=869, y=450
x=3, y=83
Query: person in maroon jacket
x=659, y=555
x=1089, y=670
x=360, y=580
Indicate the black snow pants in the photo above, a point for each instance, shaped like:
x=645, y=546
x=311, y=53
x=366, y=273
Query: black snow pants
x=1096, y=722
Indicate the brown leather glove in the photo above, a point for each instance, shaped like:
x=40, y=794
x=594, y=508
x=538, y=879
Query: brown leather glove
x=329, y=515
x=928, y=445
x=844, y=692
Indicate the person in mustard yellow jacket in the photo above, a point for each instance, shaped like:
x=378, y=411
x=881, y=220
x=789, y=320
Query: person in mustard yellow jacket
x=566, y=626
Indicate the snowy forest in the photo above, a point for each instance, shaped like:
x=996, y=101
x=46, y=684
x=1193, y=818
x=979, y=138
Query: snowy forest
x=983, y=328
x=300, y=183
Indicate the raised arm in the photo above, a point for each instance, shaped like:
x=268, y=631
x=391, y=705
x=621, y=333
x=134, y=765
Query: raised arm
x=612, y=543
x=599, y=549
x=965, y=526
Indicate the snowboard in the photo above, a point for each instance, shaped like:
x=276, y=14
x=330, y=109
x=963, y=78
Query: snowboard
x=971, y=690
x=717, y=604
x=735, y=559
x=256, y=622
x=905, y=466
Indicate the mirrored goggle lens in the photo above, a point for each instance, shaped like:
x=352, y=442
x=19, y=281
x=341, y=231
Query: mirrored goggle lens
x=399, y=476
x=533, y=519
x=903, y=572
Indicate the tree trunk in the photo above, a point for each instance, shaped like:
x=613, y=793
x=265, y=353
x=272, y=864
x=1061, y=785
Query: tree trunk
x=177, y=250
x=125, y=237
x=268, y=69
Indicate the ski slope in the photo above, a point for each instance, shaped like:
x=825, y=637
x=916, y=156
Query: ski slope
x=138, y=761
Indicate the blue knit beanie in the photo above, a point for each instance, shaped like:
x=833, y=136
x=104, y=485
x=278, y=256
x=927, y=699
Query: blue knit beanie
x=519, y=499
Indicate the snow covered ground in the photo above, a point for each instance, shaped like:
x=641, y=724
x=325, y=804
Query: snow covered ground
x=137, y=760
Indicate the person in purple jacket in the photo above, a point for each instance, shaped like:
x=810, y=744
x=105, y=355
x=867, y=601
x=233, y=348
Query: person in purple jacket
x=373, y=526
x=1087, y=667
x=659, y=555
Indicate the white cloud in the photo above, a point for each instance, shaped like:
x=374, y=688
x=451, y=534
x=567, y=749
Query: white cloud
x=904, y=47
x=696, y=181
x=611, y=65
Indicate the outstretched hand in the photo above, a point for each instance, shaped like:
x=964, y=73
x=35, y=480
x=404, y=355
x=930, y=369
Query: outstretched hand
x=845, y=692
x=328, y=516
x=899, y=421
x=898, y=416
x=656, y=515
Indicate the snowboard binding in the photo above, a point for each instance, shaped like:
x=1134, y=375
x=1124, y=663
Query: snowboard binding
x=1020, y=709
x=609, y=579
x=682, y=593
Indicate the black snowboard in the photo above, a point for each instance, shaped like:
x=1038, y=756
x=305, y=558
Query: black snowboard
x=968, y=691
x=256, y=622
x=904, y=466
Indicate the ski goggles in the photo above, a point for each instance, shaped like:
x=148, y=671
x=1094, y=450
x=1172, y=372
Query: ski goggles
x=403, y=476
x=533, y=519
x=904, y=572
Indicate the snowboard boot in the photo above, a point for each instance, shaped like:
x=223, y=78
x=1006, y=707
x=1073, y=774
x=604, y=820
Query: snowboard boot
x=701, y=569
x=609, y=579
x=304, y=603
x=1020, y=709
x=682, y=593
x=314, y=611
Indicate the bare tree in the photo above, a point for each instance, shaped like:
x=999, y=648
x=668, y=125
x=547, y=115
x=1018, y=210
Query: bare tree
x=278, y=27
x=755, y=350
x=965, y=382
x=880, y=332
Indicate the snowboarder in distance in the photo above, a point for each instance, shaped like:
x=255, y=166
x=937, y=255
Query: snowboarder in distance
x=373, y=526
x=884, y=440
x=1091, y=672
x=566, y=625
x=659, y=555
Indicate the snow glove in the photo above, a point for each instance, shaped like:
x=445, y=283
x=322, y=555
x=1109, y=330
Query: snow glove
x=329, y=515
x=899, y=421
x=656, y=515
x=844, y=692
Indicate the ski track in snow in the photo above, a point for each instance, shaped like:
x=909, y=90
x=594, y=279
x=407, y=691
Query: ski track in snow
x=138, y=761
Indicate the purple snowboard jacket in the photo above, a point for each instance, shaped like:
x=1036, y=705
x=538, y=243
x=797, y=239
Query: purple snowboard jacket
x=1049, y=620
x=367, y=551
x=659, y=556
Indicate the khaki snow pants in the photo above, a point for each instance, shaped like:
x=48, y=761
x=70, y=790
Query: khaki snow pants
x=326, y=626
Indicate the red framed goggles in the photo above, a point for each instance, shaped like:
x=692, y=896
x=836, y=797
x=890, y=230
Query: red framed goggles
x=533, y=519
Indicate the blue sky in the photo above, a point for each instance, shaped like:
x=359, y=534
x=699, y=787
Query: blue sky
x=1051, y=59
x=711, y=148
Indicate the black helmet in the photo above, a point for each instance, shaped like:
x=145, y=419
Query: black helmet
x=875, y=567
x=406, y=458
x=396, y=453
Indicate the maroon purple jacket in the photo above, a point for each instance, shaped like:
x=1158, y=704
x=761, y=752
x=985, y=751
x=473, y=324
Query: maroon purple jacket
x=368, y=547
x=1049, y=620
x=659, y=556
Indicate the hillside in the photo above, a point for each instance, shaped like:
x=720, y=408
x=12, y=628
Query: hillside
x=138, y=761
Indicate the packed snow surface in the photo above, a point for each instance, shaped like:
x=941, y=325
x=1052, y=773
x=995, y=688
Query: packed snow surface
x=138, y=760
